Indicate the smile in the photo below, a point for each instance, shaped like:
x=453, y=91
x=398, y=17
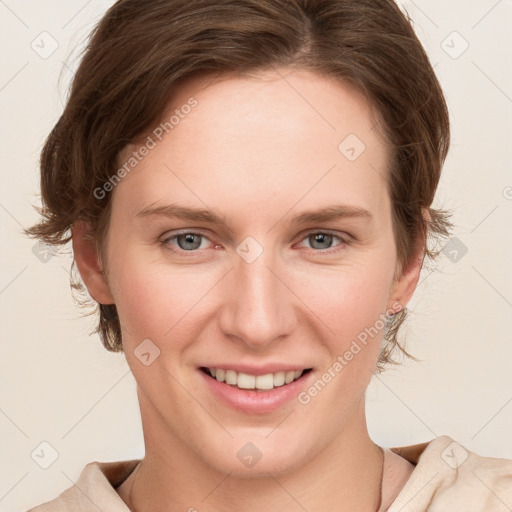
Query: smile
x=247, y=381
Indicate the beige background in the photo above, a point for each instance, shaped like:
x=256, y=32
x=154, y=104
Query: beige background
x=59, y=386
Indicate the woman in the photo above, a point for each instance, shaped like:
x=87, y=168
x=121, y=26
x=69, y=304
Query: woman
x=247, y=186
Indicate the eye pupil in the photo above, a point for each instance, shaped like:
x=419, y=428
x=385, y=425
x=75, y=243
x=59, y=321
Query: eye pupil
x=322, y=238
x=189, y=243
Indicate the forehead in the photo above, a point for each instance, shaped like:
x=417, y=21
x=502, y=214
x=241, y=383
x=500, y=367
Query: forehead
x=296, y=105
x=284, y=134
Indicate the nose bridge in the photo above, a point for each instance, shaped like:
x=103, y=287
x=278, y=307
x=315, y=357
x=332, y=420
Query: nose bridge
x=259, y=310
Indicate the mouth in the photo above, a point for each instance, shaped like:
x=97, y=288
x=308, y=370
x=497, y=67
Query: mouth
x=256, y=383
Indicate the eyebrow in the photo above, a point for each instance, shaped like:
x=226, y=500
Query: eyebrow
x=326, y=214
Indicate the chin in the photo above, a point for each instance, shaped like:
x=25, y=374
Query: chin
x=252, y=456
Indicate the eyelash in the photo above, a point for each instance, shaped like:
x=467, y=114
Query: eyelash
x=343, y=242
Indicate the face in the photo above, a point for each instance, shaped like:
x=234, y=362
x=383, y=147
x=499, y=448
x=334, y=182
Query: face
x=260, y=286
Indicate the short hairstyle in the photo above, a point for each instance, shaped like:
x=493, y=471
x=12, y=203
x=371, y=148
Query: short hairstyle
x=141, y=50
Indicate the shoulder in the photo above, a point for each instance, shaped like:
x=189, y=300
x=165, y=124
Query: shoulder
x=95, y=488
x=448, y=476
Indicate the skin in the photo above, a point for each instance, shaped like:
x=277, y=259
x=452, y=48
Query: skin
x=258, y=150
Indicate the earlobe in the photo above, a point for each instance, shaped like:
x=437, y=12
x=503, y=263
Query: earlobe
x=88, y=263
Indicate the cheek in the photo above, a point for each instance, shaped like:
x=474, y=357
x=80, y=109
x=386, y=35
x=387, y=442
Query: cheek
x=350, y=298
x=149, y=302
x=351, y=310
x=352, y=305
x=159, y=301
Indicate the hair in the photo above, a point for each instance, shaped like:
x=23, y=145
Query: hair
x=141, y=50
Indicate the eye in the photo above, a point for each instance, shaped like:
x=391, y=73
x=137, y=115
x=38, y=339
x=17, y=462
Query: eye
x=191, y=242
x=187, y=241
x=321, y=241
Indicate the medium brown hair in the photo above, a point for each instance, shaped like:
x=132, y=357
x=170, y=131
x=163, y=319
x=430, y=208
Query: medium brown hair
x=141, y=50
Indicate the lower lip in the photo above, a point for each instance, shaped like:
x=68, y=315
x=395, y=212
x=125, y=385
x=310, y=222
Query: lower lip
x=256, y=402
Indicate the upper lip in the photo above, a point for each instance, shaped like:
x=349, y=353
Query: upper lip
x=259, y=370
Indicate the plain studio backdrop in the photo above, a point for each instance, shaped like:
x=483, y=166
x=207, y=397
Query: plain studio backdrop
x=65, y=401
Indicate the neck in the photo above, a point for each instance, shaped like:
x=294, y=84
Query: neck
x=345, y=476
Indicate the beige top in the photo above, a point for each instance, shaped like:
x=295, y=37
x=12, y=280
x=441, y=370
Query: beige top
x=446, y=478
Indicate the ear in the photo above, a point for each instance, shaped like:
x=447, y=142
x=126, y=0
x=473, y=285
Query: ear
x=403, y=287
x=89, y=265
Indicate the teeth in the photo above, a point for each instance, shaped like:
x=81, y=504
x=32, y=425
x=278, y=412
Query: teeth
x=289, y=377
x=246, y=381
x=231, y=377
x=279, y=379
x=265, y=381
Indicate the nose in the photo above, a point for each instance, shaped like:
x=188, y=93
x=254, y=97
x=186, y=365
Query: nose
x=260, y=309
